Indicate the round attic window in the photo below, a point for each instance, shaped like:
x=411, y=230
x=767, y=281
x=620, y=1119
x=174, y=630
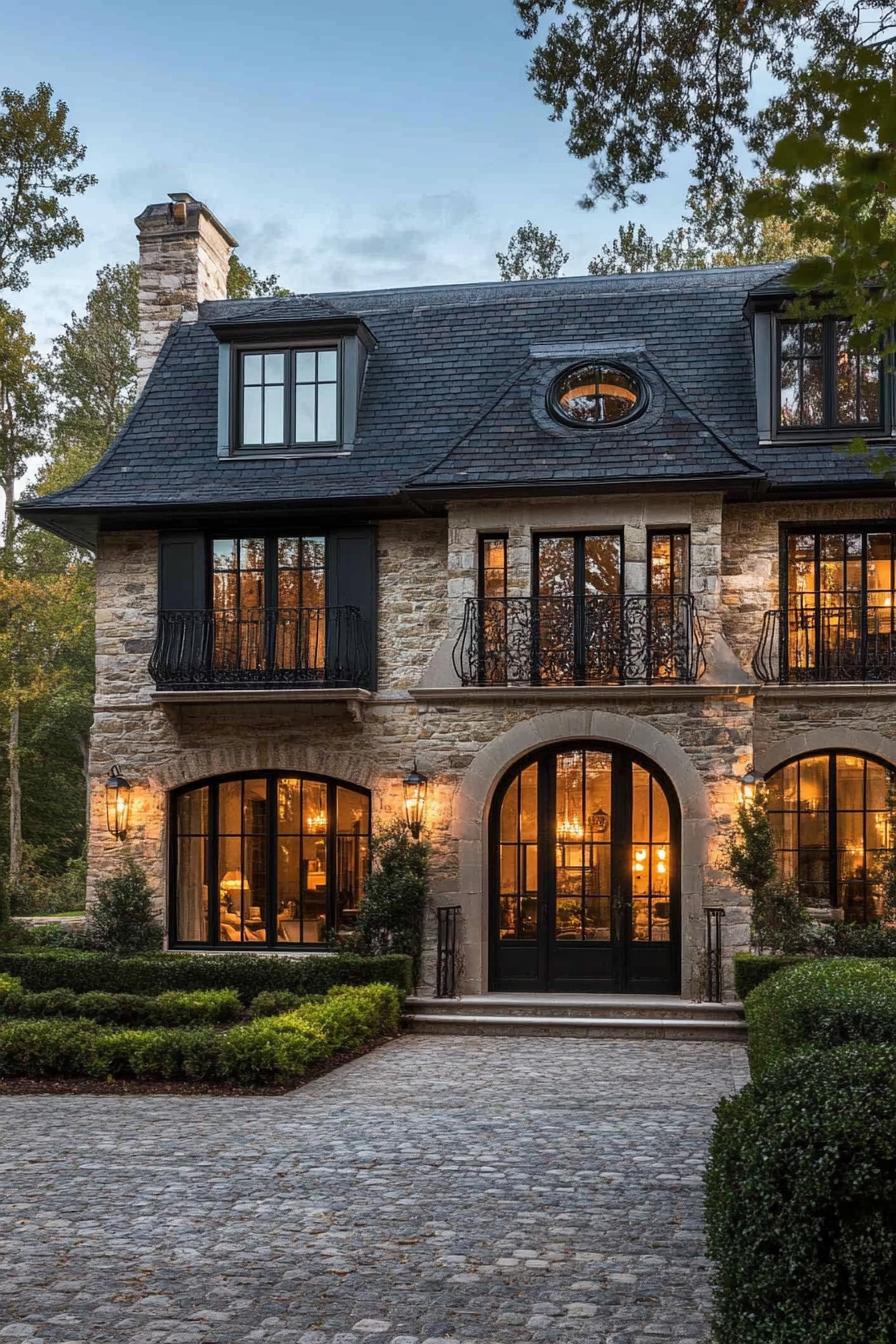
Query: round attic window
x=596, y=394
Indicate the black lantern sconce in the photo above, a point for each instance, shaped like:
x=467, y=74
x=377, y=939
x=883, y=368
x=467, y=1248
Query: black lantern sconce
x=118, y=803
x=415, y=785
x=748, y=786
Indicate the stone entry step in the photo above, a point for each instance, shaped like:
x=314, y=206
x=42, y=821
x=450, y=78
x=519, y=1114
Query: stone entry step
x=600, y=1015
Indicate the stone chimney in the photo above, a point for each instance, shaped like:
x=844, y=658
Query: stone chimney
x=184, y=257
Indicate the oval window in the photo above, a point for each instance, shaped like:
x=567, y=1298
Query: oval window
x=596, y=394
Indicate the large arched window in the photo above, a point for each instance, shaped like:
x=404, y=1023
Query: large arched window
x=267, y=859
x=830, y=819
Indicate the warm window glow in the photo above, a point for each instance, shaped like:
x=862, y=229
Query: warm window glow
x=289, y=865
x=595, y=394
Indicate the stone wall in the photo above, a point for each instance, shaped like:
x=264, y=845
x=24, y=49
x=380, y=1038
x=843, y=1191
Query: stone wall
x=751, y=556
x=465, y=739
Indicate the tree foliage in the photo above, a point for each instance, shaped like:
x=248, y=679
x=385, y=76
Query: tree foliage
x=778, y=921
x=532, y=254
x=22, y=410
x=93, y=371
x=640, y=79
x=40, y=159
x=243, y=282
x=391, y=914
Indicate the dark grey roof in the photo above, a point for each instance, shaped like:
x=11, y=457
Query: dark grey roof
x=454, y=398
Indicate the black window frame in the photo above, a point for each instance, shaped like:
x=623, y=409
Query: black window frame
x=831, y=425
x=270, y=942
x=671, y=531
x=290, y=443
x=559, y=414
x=271, y=538
x=830, y=755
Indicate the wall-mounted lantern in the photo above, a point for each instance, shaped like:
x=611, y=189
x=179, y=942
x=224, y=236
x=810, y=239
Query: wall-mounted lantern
x=748, y=786
x=414, y=785
x=118, y=802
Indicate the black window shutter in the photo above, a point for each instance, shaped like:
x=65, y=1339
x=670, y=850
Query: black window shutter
x=182, y=585
x=351, y=582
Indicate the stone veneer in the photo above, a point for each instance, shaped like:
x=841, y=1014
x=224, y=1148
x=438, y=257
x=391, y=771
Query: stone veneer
x=703, y=736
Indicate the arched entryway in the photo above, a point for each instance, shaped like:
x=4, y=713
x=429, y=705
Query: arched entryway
x=584, y=874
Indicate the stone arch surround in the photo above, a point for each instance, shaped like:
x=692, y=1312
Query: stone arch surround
x=185, y=767
x=831, y=738
x=478, y=785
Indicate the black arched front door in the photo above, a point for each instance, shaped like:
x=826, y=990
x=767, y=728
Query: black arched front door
x=584, y=874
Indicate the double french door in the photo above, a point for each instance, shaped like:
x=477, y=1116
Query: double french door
x=584, y=875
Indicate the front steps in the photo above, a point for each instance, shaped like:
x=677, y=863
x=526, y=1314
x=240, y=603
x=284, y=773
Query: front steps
x=602, y=1016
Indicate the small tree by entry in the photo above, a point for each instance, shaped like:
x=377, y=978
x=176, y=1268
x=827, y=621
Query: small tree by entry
x=778, y=919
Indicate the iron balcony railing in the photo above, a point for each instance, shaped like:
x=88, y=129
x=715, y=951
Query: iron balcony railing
x=809, y=643
x=602, y=638
x=253, y=647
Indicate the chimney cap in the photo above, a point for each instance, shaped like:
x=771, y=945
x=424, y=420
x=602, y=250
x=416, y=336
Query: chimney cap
x=185, y=209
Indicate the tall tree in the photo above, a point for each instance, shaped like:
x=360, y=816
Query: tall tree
x=21, y=426
x=245, y=283
x=40, y=158
x=532, y=254
x=639, y=79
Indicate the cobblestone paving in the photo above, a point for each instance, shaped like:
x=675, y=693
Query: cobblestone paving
x=441, y=1189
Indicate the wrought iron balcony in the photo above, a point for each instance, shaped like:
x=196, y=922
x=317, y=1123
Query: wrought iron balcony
x=261, y=647
x=809, y=643
x=595, y=640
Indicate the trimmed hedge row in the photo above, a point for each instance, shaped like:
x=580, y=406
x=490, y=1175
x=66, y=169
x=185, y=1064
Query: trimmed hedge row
x=800, y=1193
x=269, y=1051
x=821, y=1003
x=248, y=973
x=172, y=1009
x=750, y=969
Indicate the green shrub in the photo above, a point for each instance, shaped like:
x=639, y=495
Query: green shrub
x=860, y=940
x=272, y=1001
x=247, y=973
x=801, y=1188
x=182, y=1007
x=122, y=918
x=9, y=984
x=265, y=1052
x=751, y=970
x=396, y=892
x=821, y=1003
x=172, y=1008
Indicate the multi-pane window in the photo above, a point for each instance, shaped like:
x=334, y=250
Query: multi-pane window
x=831, y=822
x=289, y=398
x=826, y=380
x=669, y=568
x=651, y=859
x=578, y=609
x=316, y=405
x=518, y=857
x=263, y=395
x=493, y=610
x=584, y=833
x=839, y=598
x=274, y=859
x=269, y=602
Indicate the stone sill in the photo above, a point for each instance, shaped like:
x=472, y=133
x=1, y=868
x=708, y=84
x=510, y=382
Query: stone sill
x=262, y=696
x=658, y=691
x=830, y=690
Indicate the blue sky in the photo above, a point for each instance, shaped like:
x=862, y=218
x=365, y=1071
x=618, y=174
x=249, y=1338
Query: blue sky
x=345, y=145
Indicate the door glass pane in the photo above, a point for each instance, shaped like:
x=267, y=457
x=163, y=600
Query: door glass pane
x=518, y=857
x=314, y=913
x=603, y=564
x=651, y=859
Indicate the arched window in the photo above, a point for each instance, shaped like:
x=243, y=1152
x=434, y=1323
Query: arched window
x=831, y=823
x=267, y=859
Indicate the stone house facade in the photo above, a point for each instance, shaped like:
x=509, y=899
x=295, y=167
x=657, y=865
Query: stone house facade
x=585, y=551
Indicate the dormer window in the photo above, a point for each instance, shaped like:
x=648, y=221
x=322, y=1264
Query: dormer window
x=289, y=398
x=823, y=382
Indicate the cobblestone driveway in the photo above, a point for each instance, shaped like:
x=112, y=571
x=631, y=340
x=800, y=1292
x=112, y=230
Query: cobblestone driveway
x=497, y=1191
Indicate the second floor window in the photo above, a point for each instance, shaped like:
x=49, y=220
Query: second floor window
x=269, y=601
x=823, y=382
x=289, y=398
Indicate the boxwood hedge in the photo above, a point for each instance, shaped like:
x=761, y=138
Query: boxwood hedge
x=821, y=1003
x=173, y=1008
x=751, y=970
x=266, y=1051
x=801, y=1193
x=247, y=972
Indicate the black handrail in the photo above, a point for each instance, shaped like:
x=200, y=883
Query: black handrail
x=447, y=919
x=245, y=647
x=804, y=643
x=714, y=916
x=601, y=638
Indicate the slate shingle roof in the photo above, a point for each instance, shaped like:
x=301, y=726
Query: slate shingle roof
x=454, y=398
